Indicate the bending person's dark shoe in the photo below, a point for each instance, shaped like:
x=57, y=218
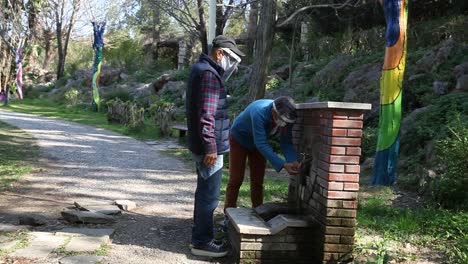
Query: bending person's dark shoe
x=209, y=249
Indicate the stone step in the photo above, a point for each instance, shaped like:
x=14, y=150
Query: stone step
x=86, y=243
x=85, y=232
x=40, y=246
x=87, y=217
x=81, y=259
x=12, y=228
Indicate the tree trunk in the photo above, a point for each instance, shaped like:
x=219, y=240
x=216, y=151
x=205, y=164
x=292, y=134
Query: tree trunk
x=264, y=45
x=69, y=30
x=156, y=33
x=58, y=22
x=202, y=27
x=252, y=28
x=222, y=17
x=47, y=49
x=62, y=47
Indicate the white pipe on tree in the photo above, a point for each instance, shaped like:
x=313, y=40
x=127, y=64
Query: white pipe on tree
x=212, y=22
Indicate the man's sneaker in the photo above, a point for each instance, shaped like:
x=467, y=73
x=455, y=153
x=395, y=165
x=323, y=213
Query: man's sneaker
x=209, y=249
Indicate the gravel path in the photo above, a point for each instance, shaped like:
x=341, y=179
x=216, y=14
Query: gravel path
x=86, y=163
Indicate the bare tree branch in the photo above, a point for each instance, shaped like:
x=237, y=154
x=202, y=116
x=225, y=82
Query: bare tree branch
x=300, y=10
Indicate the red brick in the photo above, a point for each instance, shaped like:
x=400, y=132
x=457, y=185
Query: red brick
x=323, y=182
x=346, y=123
x=325, y=157
x=331, y=167
x=337, y=150
x=337, y=248
x=350, y=204
x=337, y=141
x=338, y=186
x=336, y=230
x=326, y=131
x=352, y=169
x=298, y=129
x=311, y=121
x=336, y=132
x=340, y=195
x=344, y=159
x=351, y=222
x=343, y=177
x=331, y=221
x=347, y=240
x=326, y=114
x=351, y=186
x=340, y=115
x=333, y=257
x=355, y=115
x=308, y=113
x=334, y=203
x=332, y=239
x=326, y=122
x=354, y=133
x=354, y=151
x=341, y=212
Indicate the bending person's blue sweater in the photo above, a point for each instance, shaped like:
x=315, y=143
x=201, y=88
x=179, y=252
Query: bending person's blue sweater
x=252, y=128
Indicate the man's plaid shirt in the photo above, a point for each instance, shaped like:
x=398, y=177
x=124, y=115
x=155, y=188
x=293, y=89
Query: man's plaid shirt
x=210, y=90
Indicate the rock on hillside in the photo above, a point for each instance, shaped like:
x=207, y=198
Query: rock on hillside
x=437, y=56
x=331, y=74
x=362, y=86
x=108, y=75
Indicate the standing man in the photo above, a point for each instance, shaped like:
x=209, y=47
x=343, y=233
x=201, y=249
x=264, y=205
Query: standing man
x=249, y=139
x=208, y=136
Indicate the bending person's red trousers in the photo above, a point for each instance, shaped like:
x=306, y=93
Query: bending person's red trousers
x=237, y=160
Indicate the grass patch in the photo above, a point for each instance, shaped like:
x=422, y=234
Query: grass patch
x=103, y=250
x=20, y=237
x=384, y=230
x=18, y=153
x=275, y=190
x=80, y=114
x=62, y=249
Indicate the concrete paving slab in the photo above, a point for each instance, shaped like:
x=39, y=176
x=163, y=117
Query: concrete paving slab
x=87, y=217
x=125, y=205
x=86, y=244
x=12, y=228
x=85, y=232
x=103, y=209
x=82, y=259
x=8, y=245
x=4, y=239
x=40, y=247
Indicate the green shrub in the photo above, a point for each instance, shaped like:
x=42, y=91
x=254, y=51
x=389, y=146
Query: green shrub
x=435, y=123
x=369, y=141
x=72, y=97
x=122, y=94
x=449, y=188
x=127, y=113
x=162, y=112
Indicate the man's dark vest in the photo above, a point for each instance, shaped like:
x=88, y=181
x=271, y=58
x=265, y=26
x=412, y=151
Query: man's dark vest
x=193, y=112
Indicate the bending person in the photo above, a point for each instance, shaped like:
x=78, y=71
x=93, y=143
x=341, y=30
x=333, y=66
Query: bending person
x=249, y=139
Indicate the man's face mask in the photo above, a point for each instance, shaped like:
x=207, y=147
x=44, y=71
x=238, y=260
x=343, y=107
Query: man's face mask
x=229, y=63
x=280, y=122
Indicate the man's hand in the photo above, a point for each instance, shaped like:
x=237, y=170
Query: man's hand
x=210, y=159
x=292, y=168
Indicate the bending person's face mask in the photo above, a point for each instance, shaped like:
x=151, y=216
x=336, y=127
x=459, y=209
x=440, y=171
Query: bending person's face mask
x=229, y=63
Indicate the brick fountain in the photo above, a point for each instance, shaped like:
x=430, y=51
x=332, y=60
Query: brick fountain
x=317, y=224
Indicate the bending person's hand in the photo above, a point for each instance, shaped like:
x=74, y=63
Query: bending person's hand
x=210, y=159
x=292, y=168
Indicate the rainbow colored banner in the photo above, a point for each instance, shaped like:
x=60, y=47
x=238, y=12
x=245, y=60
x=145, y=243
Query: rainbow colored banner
x=98, y=46
x=391, y=87
x=19, y=73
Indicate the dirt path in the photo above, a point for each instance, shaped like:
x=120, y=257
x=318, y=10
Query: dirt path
x=85, y=163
